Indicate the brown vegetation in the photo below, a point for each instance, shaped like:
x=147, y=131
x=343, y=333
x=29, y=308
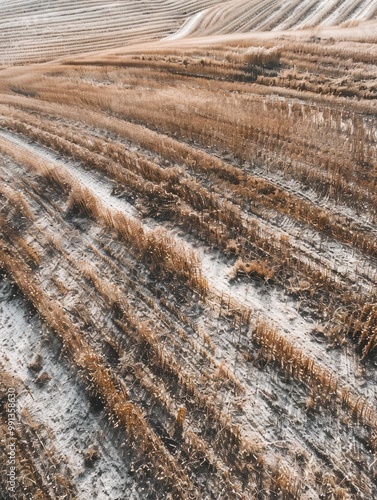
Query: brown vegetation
x=197, y=228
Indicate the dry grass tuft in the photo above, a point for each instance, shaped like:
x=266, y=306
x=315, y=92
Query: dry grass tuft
x=253, y=269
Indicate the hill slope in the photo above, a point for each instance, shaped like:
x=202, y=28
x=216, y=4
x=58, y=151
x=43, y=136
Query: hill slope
x=255, y=15
x=40, y=30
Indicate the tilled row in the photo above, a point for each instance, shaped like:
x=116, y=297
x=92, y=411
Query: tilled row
x=169, y=194
x=360, y=411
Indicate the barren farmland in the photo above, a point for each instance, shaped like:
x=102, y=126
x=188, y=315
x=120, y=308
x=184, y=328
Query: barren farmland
x=35, y=30
x=188, y=254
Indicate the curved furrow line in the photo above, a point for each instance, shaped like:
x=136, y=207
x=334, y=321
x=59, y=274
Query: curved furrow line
x=130, y=22
x=106, y=197
x=222, y=424
x=195, y=224
x=307, y=256
x=311, y=256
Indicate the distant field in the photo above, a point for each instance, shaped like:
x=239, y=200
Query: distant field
x=32, y=30
x=188, y=256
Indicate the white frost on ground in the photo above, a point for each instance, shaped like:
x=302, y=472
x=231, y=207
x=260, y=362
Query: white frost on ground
x=272, y=305
x=83, y=178
x=60, y=404
x=187, y=28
